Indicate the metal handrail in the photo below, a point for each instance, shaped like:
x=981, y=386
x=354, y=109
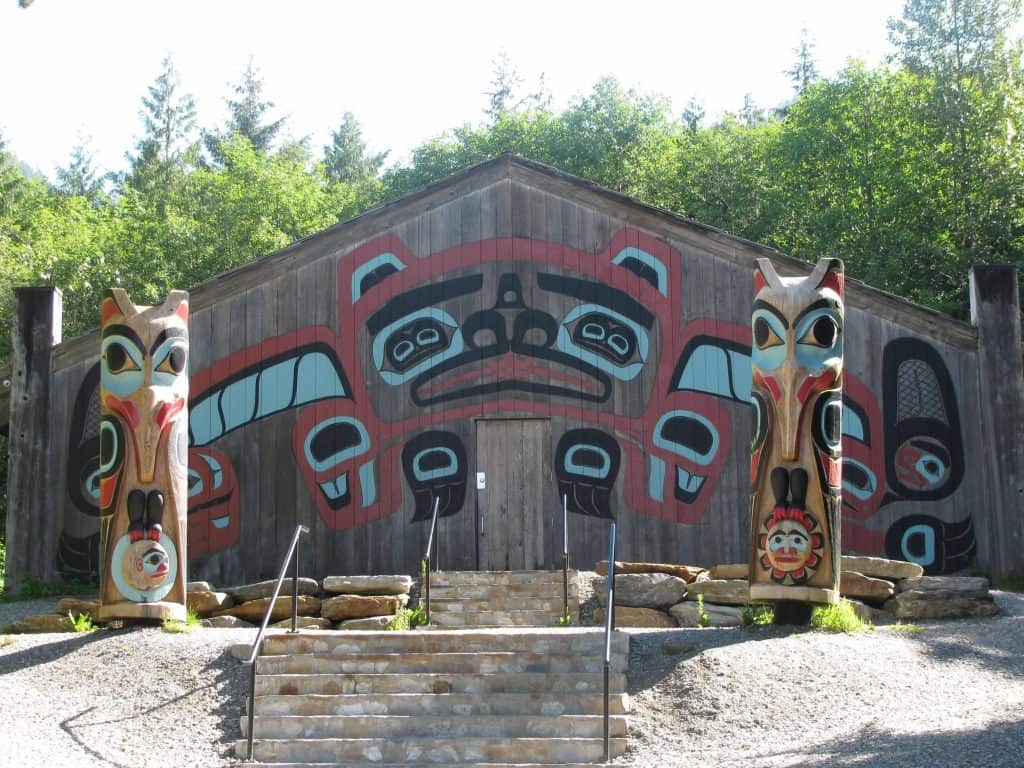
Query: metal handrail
x=609, y=627
x=257, y=645
x=565, y=556
x=425, y=562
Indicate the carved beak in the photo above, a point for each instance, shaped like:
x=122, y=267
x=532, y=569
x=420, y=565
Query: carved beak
x=789, y=409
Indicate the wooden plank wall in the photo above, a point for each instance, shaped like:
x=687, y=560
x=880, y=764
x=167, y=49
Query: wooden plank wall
x=521, y=222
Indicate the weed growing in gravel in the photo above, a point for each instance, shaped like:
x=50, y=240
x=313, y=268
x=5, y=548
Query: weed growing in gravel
x=6, y=640
x=407, y=618
x=753, y=614
x=702, y=616
x=176, y=627
x=839, y=618
x=82, y=622
x=33, y=589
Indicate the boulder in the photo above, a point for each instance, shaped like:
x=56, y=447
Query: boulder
x=638, y=617
x=368, y=585
x=360, y=606
x=685, y=572
x=370, y=623
x=227, y=622
x=730, y=571
x=46, y=622
x=198, y=586
x=940, y=604
x=304, y=622
x=965, y=585
x=869, y=613
x=723, y=591
x=880, y=568
x=255, y=610
x=642, y=590
x=77, y=606
x=687, y=614
x=205, y=602
x=853, y=584
x=249, y=592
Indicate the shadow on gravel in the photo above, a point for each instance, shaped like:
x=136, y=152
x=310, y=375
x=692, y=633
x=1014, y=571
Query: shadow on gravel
x=47, y=652
x=994, y=746
x=232, y=676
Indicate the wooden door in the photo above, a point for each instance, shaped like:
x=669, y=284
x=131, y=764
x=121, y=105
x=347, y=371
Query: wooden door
x=513, y=514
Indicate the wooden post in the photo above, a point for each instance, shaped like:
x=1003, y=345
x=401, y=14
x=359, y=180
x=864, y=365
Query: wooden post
x=995, y=310
x=36, y=329
x=796, y=452
x=143, y=457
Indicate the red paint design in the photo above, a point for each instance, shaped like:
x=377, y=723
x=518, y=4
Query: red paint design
x=123, y=408
x=166, y=412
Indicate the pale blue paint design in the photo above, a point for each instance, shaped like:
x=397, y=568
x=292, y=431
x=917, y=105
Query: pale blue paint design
x=317, y=379
x=811, y=355
x=707, y=370
x=621, y=372
x=204, y=419
x=684, y=450
x=367, y=483
x=362, y=271
x=455, y=345
x=645, y=258
x=687, y=481
x=125, y=382
x=852, y=425
x=582, y=469
x=336, y=488
x=772, y=357
x=238, y=402
x=276, y=387
x=424, y=475
x=656, y=479
x=861, y=493
x=742, y=375
x=337, y=458
x=929, y=545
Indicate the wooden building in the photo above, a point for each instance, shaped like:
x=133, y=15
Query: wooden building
x=501, y=339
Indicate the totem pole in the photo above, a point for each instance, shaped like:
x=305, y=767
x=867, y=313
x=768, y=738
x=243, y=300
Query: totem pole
x=795, y=462
x=143, y=457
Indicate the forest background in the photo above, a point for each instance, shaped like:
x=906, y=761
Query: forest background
x=911, y=172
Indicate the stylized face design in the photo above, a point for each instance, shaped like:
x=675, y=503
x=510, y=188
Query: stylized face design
x=147, y=565
x=789, y=545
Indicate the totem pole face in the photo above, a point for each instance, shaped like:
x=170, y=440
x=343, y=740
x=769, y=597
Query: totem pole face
x=143, y=457
x=797, y=358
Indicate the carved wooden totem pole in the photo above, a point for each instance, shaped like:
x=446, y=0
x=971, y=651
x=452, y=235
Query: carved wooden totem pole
x=143, y=457
x=796, y=451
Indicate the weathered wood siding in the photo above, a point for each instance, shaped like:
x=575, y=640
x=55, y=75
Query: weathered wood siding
x=303, y=412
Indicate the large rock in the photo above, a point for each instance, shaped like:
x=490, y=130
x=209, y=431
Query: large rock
x=46, y=622
x=965, y=585
x=730, y=571
x=642, y=590
x=77, y=606
x=360, y=606
x=204, y=602
x=685, y=572
x=853, y=584
x=869, y=613
x=368, y=585
x=249, y=592
x=687, y=614
x=255, y=610
x=880, y=568
x=724, y=591
x=371, y=623
x=227, y=622
x=304, y=622
x=637, y=617
x=918, y=604
x=198, y=586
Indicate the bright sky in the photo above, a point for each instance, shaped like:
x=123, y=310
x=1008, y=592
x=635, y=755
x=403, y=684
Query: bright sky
x=74, y=69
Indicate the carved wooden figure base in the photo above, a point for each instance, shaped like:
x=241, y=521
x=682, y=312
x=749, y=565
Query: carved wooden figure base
x=143, y=458
x=797, y=359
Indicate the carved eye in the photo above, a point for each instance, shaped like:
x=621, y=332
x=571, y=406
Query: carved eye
x=118, y=360
x=174, y=362
x=822, y=333
x=764, y=335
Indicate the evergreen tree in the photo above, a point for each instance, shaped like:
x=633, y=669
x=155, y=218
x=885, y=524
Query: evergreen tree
x=345, y=158
x=79, y=177
x=805, y=69
x=247, y=116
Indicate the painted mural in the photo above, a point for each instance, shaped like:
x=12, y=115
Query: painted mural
x=641, y=397
x=798, y=330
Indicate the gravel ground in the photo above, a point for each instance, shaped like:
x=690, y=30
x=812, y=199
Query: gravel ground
x=952, y=695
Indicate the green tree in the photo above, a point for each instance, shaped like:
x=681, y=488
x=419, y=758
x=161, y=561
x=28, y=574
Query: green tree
x=805, y=69
x=79, y=177
x=247, y=116
x=346, y=159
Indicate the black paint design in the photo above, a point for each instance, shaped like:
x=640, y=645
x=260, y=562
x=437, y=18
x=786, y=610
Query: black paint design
x=936, y=546
x=587, y=465
x=434, y=464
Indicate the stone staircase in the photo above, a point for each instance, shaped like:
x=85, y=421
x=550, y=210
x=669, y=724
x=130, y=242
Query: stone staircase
x=500, y=598
x=443, y=697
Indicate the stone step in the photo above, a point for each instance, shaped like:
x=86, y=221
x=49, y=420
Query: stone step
x=465, y=704
x=424, y=726
x=582, y=640
x=519, y=682
x=474, y=618
x=453, y=604
x=431, y=765
x=437, y=663
x=502, y=578
x=430, y=750
x=492, y=591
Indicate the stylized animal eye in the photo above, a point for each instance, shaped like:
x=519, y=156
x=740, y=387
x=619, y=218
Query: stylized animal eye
x=606, y=336
x=175, y=361
x=822, y=333
x=118, y=360
x=764, y=335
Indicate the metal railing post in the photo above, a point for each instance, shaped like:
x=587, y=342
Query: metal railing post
x=425, y=562
x=295, y=590
x=565, y=556
x=609, y=626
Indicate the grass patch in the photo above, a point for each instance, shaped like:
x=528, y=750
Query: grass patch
x=703, y=620
x=34, y=589
x=756, y=615
x=1012, y=582
x=82, y=622
x=839, y=618
x=910, y=629
x=407, y=618
x=176, y=627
